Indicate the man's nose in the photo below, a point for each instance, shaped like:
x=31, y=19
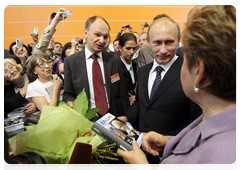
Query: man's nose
x=163, y=49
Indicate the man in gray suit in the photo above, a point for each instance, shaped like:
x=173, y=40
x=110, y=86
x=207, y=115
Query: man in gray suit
x=79, y=72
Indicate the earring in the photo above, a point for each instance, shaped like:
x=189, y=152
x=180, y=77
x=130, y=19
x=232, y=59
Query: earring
x=196, y=89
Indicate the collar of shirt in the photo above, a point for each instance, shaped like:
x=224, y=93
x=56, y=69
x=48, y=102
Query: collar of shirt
x=88, y=53
x=135, y=55
x=128, y=66
x=164, y=66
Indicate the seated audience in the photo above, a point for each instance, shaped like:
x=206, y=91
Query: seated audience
x=127, y=46
x=16, y=87
x=208, y=77
x=45, y=90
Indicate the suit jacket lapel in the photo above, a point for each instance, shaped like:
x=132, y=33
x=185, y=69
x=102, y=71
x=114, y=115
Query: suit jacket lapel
x=145, y=82
x=172, y=74
x=107, y=72
x=82, y=70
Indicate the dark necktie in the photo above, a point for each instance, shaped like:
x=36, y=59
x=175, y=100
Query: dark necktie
x=98, y=86
x=157, y=81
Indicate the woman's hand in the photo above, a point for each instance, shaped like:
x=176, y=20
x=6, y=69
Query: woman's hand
x=30, y=108
x=57, y=84
x=154, y=142
x=23, y=91
x=136, y=156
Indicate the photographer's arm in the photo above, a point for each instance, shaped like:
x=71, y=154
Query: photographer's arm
x=74, y=43
x=121, y=30
x=49, y=31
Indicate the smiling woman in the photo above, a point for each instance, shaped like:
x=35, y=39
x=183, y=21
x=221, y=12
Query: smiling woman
x=45, y=91
x=16, y=88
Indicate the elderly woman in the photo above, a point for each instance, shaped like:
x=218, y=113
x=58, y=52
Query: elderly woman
x=45, y=90
x=15, y=89
x=208, y=77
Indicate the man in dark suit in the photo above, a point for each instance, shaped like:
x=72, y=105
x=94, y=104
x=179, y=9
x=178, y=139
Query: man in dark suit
x=161, y=104
x=80, y=72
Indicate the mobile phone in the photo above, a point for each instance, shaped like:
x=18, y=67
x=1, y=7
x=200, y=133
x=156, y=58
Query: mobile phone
x=68, y=13
x=35, y=30
x=19, y=43
x=127, y=26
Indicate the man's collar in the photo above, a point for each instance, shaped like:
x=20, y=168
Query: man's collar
x=88, y=53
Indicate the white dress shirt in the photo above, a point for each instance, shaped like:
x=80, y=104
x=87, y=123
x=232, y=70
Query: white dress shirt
x=89, y=62
x=152, y=73
x=130, y=69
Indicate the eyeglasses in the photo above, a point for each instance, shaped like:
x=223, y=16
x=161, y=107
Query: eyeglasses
x=7, y=71
x=42, y=64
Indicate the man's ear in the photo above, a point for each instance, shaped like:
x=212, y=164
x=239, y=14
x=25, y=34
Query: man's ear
x=147, y=39
x=199, y=71
x=85, y=32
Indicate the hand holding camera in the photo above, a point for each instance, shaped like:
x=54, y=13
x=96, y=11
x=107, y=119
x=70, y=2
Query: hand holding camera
x=59, y=16
x=74, y=41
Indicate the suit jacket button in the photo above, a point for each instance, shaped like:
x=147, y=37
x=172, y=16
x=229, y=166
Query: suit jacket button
x=146, y=126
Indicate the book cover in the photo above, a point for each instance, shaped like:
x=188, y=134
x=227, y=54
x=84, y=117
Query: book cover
x=13, y=123
x=17, y=112
x=116, y=131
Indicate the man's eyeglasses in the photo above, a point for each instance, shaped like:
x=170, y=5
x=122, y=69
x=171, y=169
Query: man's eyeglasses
x=11, y=68
x=42, y=64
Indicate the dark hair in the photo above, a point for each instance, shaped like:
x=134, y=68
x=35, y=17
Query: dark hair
x=57, y=43
x=14, y=43
x=92, y=19
x=127, y=37
x=32, y=61
x=211, y=36
x=115, y=40
x=65, y=47
x=160, y=16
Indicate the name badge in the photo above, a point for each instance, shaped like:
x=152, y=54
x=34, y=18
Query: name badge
x=115, y=78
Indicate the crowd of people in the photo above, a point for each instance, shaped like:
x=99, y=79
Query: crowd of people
x=182, y=98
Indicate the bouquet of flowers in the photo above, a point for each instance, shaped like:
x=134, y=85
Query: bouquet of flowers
x=59, y=129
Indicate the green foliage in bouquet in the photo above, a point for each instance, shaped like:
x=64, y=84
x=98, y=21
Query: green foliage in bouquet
x=58, y=131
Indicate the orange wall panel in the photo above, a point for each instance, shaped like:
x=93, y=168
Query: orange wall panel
x=19, y=21
x=12, y=14
x=148, y=13
x=104, y=11
x=179, y=13
x=127, y=13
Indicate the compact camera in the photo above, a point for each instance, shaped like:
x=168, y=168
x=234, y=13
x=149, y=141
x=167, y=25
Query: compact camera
x=68, y=13
x=127, y=26
x=35, y=30
x=146, y=25
x=80, y=40
x=19, y=43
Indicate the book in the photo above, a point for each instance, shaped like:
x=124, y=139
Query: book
x=17, y=112
x=13, y=124
x=116, y=131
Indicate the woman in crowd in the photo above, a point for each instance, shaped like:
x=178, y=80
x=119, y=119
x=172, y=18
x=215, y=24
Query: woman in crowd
x=68, y=49
x=45, y=90
x=16, y=87
x=208, y=77
x=22, y=53
x=127, y=46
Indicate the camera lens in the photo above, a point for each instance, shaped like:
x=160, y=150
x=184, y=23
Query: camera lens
x=28, y=161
